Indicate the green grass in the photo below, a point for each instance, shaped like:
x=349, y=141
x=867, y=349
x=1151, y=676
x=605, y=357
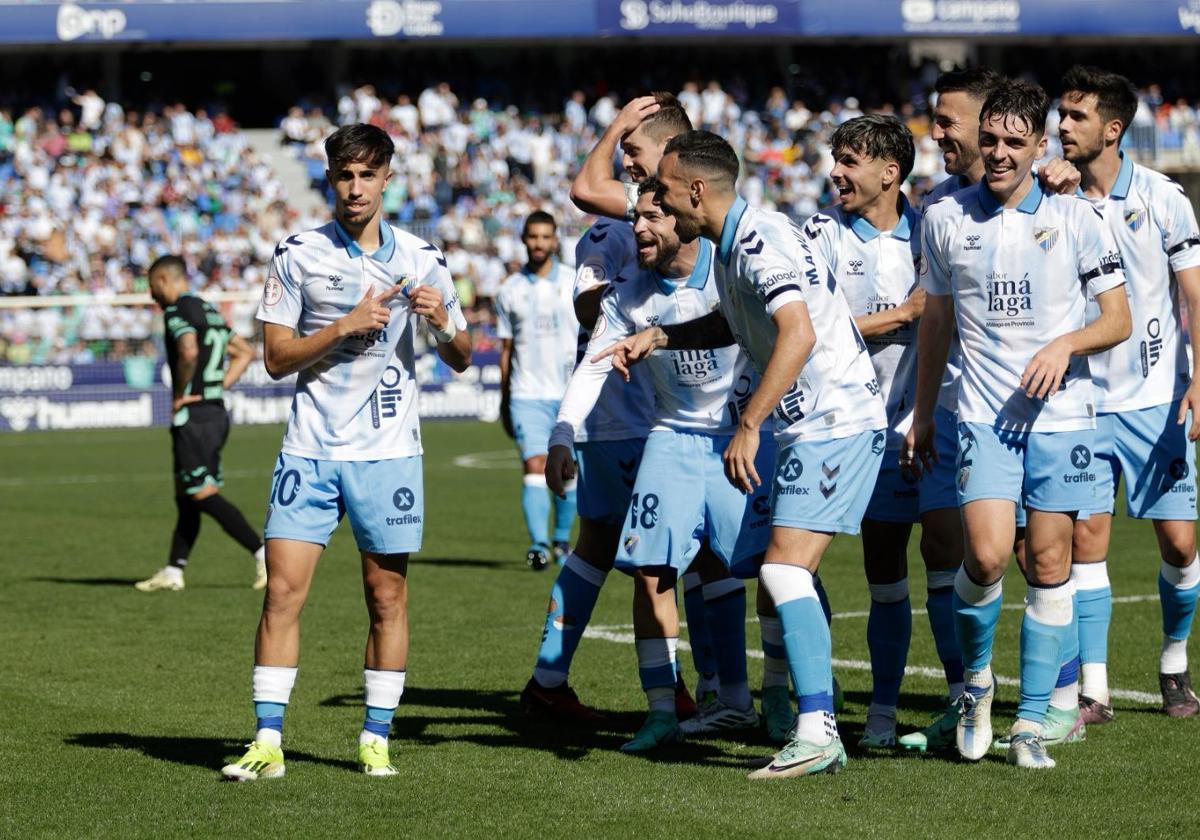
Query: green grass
x=119, y=707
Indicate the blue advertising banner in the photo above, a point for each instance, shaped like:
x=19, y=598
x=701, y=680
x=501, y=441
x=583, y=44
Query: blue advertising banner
x=109, y=21
x=136, y=393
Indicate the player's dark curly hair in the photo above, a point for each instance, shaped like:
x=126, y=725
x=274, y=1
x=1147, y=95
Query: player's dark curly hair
x=670, y=118
x=707, y=152
x=878, y=136
x=359, y=143
x=1024, y=103
x=649, y=185
x=976, y=82
x=1116, y=97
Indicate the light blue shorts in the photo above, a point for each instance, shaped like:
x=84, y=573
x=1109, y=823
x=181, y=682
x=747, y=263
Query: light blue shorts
x=937, y=486
x=1049, y=471
x=896, y=494
x=682, y=497
x=532, y=422
x=607, y=470
x=385, y=501
x=1155, y=458
x=826, y=485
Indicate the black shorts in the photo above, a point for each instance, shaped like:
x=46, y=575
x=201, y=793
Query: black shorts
x=196, y=447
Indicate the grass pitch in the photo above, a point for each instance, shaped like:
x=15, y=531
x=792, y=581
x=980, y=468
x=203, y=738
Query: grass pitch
x=119, y=707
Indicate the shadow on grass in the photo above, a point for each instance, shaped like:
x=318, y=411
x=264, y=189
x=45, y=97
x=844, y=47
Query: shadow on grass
x=209, y=753
x=473, y=716
x=87, y=581
x=464, y=562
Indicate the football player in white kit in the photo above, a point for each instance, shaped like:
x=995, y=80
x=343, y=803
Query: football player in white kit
x=681, y=502
x=1145, y=387
x=871, y=242
x=339, y=307
x=784, y=309
x=1009, y=266
x=535, y=322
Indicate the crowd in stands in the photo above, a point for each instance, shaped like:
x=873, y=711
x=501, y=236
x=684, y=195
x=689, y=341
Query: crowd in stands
x=90, y=195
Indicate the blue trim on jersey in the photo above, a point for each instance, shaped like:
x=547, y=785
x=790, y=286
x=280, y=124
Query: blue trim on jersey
x=698, y=279
x=903, y=231
x=733, y=218
x=1121, y=186
x=387, y=242
x=533, y=277
x=1029, y=204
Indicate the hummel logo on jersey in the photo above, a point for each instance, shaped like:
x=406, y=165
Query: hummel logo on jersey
x=1135, y=219
x=291, y=240
x=973, y=242
x=598, y=236
x=437, y=254
x=653, y=320
x=1046, y=238
x=753, y=242
x=856, y=267
x=335, y=283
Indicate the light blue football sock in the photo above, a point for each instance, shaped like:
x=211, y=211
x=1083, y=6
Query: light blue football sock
x=564, y=514
x=1178, y=589
x=535, y=504
x=939, y=603
x=1095, y=615
x=699, y=635
x=1045, y=632
x=889, y=633
x=976, y=614
x=806, y=636
x=269, y=715
x=572, y=599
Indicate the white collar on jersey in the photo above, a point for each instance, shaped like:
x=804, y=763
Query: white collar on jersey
x=387, y=242
x=733, y=218
x=1029, y=204
x=698, y=279
x=903, y=230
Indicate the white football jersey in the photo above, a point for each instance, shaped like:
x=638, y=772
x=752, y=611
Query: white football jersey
x=763, y=264
x=1155, y=230
x=698, y=390
x=625, y=410
x=948, y=392
x=1019, y=277
x=538, y=315
x=358, y=403
x=876, y=271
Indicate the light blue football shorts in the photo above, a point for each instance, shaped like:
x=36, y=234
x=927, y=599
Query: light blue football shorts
x=532, y=422
x=826, y=485
x=682, y=497
x=1155, y=458
x=1048, y=471
x=607, y=470
x=384, y=500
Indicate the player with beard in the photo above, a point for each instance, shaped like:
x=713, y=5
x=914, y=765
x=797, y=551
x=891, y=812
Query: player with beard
x=681, y=503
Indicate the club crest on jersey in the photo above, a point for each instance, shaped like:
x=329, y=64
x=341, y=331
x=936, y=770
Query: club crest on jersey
x=1046, y=238
x=1134, y=219
x=405, y=282
x=630, y=544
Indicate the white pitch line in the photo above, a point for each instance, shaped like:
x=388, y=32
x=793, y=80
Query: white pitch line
x=623, y=634
x=493, y=459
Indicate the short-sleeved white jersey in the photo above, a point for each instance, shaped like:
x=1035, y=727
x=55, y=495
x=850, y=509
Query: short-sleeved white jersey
x=763, y=264
x=1155, y=230
x=876, y=271
x=1020, y=277
x=358, y=403
x=624, y=411
x=538, y=315
x=700, y=390
x=948, y=392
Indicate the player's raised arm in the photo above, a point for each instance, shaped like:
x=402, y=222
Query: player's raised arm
x=284, y=352
x=881, y=323
x=240, y=356
x=594, y=189
x=707, y=333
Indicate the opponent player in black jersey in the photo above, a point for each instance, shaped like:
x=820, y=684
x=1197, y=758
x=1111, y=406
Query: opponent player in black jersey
x=197, y=340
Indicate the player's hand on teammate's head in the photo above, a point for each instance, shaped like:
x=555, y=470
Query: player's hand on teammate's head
x=635, y=110
x=372, y=312
x=427, y=302
x=1059, y=176
x=560, y=468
